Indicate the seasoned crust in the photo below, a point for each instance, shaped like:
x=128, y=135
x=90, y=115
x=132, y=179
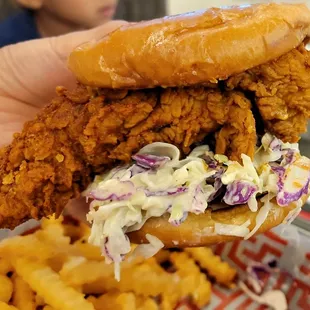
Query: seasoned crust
x=77, y=136
x=192, y=48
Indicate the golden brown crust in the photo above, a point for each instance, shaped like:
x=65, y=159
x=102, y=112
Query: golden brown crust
x=191, y=48
x=198, y=230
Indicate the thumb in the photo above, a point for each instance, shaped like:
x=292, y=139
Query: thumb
x=63, y=45
x=30, y=71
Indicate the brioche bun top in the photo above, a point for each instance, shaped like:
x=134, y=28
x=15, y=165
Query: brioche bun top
x=192, y=48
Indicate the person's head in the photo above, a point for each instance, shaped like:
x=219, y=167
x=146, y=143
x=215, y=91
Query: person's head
x=82, y=13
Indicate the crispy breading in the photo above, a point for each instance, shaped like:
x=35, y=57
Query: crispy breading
x=282, y=93
x=77, y=136
x=238, y=135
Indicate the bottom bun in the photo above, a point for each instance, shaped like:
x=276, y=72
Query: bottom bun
x=198, y=230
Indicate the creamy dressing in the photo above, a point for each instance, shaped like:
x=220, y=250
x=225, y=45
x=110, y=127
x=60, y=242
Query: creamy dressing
x=232, y=230
x=275, y=299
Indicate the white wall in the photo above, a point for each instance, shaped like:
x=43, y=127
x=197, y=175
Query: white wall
x=182, y=6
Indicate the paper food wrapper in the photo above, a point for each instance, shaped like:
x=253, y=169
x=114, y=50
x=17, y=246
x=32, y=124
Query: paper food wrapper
x=6, y=233
x=289, y=245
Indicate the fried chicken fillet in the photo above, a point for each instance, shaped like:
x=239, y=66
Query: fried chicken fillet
x=82, y=133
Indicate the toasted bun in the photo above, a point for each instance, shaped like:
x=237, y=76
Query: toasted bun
x=192, y=48
x=198, y=230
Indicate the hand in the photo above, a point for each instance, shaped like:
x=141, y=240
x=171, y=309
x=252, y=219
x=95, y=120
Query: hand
x=29, y=74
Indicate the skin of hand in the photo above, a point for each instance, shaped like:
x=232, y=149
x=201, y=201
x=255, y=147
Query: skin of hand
x=56, y=17
x=29, y=74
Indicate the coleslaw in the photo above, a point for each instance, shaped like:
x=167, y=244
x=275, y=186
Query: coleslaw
x=159, y=182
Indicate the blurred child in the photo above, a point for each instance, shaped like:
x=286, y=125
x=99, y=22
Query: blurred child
x=45, y=18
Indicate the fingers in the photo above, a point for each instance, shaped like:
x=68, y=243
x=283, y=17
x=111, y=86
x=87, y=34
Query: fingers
x=30, y=71
x=63, y=45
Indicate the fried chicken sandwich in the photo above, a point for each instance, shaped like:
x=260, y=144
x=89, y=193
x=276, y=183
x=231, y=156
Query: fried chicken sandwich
x=182, y=131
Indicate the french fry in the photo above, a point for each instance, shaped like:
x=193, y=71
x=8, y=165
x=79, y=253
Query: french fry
x=76, y=232
x=116, y=301
x=5, y=306
x=6, y=288
x=52, y=220
x=146, y=304
x=23, y=296
x=39, y=301
x=53, y=234
x=96, y=288
x=56, y=262
x=91, y=271
x=5, y=266
x=28, y=245
x=192, y=282
x=51, y=243
x=55, y=266
x=200, y=289
x=184, y=264
x=48, y=284
x=221, y=271
x=126, y=301
x=88, y=250
x=93, y=300
x=153, y=280
x=167, y=303
x=162, y=256
x=85, y=272
x=40, y=245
